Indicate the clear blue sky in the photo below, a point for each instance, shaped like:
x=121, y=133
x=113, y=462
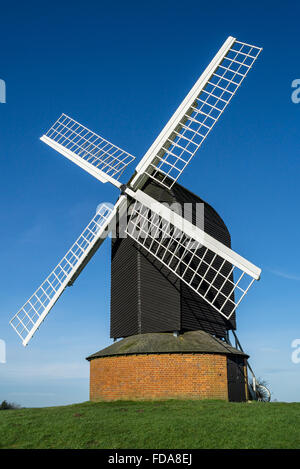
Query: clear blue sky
x=122, y=68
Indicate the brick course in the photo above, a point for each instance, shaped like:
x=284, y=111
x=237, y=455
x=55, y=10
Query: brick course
x=159, y=376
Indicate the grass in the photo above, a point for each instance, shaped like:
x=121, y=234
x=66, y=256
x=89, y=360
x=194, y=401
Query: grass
x=169, y=424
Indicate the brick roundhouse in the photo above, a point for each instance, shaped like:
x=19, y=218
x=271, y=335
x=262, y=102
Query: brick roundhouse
x=193, y=365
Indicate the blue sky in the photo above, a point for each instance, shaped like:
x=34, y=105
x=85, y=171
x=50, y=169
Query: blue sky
x=122, y=68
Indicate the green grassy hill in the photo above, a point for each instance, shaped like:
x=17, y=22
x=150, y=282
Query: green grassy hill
x=165, y=424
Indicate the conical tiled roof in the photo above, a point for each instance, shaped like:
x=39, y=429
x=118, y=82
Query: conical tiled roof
x=189, y=342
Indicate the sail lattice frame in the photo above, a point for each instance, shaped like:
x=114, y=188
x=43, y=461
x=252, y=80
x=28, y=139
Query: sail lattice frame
x=219, y=275
x=183, y=135
x=27, y=320
x=85, y=147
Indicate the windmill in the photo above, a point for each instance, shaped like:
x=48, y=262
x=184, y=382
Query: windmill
x=165, y=255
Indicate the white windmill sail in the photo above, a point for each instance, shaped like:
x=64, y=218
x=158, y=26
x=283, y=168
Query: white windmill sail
x=187, y=129
x=217, y=273
x=32, y=314
x=97, y=156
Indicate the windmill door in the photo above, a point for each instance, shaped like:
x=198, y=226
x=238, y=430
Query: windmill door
x=236, y=378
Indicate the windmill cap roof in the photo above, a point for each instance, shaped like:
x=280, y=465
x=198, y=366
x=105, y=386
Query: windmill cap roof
x=166, y=342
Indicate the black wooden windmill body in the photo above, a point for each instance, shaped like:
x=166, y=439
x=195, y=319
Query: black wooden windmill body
x=146, y=296
x=169, y=274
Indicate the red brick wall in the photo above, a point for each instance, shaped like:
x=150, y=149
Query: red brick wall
x=188, y=376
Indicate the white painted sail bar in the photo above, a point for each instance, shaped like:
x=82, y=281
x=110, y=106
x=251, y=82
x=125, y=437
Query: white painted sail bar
x=93, y=153
x=32, y=314
x=189, y=126
x=88, y=167
x=196, y=233
x=203, y=263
